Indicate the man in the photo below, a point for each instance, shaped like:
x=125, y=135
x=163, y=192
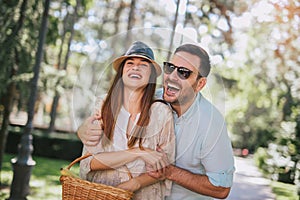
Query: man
x=204, y=159
x=204, y=163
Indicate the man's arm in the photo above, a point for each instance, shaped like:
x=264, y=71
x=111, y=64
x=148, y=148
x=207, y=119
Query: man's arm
x=138, y=182
x=195, y=182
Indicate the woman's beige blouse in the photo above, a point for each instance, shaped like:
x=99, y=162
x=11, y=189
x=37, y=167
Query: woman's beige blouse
x=160, y=131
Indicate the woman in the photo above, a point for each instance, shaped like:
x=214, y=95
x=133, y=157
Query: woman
x=134, y=127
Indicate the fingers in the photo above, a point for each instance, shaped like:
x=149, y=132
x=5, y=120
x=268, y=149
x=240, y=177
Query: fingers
x=91, y=119
x=155, y=159
x=93, y=135
x=157, y=163
x=92, y=140
x=160, y=174
x=93, y=123
x=165, y=159
x=159, y=149
x=90, y=131
x=157, y=174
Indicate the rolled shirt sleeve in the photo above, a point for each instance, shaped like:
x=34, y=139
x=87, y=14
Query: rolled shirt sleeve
x=223, y=179
x=217, y=154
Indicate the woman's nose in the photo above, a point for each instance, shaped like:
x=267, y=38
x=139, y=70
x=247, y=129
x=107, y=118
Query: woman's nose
x=135, y=66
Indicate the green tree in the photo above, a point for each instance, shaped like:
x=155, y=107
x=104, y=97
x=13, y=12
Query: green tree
x=264, y=99
x=23, y=163
x=68, y=31
x=17, y=46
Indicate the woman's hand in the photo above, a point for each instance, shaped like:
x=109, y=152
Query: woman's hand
x=152, y=158
x=162, y=173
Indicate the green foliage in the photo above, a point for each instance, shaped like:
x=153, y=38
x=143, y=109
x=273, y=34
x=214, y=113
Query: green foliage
x=44, y=182
x=53, y=80
x=19, y=24
x=260, y=158
x=263, y=66
x=259, y=59
x=284, y=191
x=264, y=103
x=53, y=26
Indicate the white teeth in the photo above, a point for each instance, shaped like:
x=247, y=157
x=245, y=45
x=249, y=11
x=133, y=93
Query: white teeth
x=173, y=86
x=134, y=76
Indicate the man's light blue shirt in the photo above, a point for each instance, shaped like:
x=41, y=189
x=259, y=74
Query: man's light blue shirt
x=202, y=147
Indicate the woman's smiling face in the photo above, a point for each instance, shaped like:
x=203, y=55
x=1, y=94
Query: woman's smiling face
x=136, y=72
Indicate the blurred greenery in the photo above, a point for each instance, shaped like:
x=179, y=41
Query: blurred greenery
x=253, y=45
x=44, y=182
x=284, y=191
x=264, y=101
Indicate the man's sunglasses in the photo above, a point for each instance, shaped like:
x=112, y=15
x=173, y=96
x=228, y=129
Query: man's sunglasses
x=182, y=72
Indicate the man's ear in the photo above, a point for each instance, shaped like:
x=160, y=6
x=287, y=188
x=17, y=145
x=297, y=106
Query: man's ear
x=201, y=83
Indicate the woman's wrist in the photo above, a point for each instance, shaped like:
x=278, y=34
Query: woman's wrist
x=135, y=152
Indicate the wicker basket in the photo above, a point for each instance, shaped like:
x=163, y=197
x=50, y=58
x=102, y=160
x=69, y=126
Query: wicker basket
x=74, y=188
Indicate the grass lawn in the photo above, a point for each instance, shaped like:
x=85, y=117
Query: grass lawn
x=44, y=181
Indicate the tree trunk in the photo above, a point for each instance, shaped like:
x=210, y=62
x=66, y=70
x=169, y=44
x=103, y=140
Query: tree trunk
x=9, y=44
x=8, y=100
x=55, y=102
x=173, y=31
x=23, y=164
x=53, y=112
x=130, y=24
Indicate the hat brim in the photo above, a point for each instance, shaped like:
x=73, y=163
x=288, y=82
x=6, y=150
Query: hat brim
x=118, y=61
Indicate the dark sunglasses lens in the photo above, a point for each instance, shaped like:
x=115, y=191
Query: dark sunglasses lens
x=183, y=73
x=168, y=68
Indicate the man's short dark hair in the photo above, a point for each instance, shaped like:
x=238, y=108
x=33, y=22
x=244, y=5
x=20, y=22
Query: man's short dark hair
x=204, y=67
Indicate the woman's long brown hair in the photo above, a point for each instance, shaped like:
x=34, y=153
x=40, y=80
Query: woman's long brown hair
x=113, y=103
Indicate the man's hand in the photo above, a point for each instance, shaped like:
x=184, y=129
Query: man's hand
x=90, y=131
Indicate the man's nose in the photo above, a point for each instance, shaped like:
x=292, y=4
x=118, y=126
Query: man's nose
x=173, y=75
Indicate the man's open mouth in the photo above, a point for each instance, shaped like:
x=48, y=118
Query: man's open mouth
x=172, y=88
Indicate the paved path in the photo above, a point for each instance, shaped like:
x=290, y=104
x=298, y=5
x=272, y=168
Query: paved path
x=248, y=183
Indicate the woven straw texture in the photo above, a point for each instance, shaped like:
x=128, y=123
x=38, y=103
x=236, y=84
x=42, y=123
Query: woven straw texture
x=74, y=188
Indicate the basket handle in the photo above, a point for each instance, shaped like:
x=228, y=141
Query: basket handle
x=79, y=159
x=88, y=155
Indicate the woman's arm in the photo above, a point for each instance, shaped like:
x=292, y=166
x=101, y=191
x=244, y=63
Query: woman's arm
x=112, y=160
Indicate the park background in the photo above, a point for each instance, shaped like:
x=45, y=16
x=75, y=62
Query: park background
x=55, y=59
